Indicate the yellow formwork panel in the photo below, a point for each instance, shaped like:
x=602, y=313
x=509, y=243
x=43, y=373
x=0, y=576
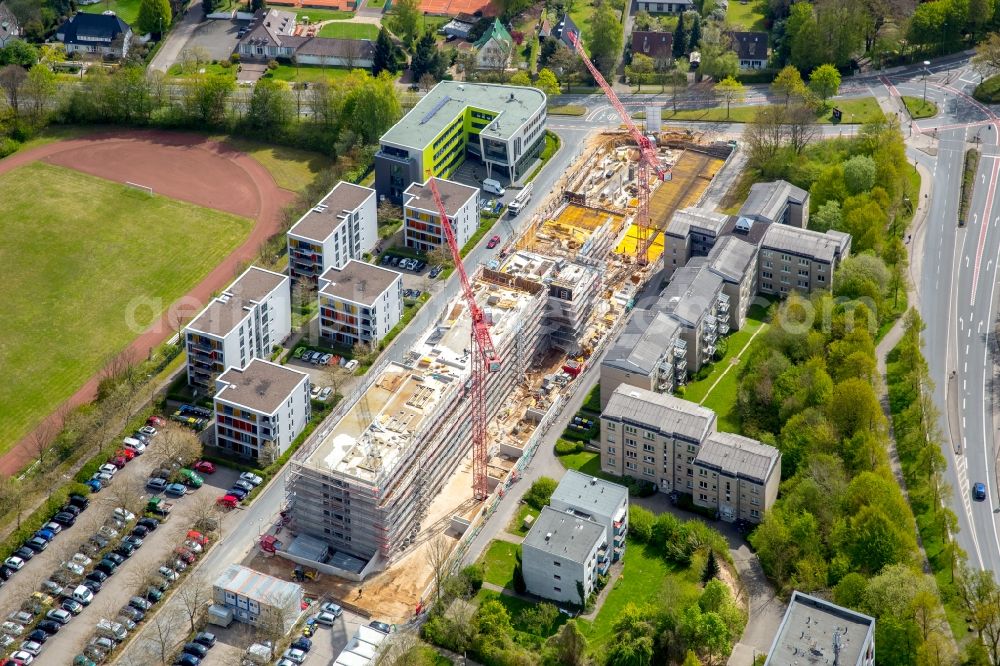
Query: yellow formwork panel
x=630, y=244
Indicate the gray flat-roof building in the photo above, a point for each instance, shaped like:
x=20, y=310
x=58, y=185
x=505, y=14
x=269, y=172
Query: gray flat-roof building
x=595, y=499
x=562, y=555
x=777, y=202
x=257, y=598
x=691, y=232
x=675, y=444
x=649, y=353
x=695, y=300
x=816, y=631
x=735, y=261
x=799, y=259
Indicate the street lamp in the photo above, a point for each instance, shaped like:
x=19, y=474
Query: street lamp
x=927, y=63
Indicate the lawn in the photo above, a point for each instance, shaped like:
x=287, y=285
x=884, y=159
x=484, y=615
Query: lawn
x=737, y=341
x=567, y=110
x=516, y=526
x=919, y=108
x=128, y=10
x=310, y=73
x=178, y=70
x=588, y=462
x=292, y=168
x=498, y=563
x=856, y=110
x=81, y=282
x=316, y=15
x=646, y=578
x=347, y=30
x=515, y=606
x=746, y=13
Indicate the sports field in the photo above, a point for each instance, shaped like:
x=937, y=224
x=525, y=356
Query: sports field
x=88, y=264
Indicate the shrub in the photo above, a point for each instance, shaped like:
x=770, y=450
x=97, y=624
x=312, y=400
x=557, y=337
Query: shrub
x=565, y=447
x=234, y=58
x=225, y=64
x=474, y=575
x=272, y=65
x=540, y=492
x=640, y=523
x=988, y=92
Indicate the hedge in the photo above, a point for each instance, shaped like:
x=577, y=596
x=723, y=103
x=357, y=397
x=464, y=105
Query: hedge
x=34, y=522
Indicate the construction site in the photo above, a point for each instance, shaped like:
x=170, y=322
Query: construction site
x=371, y=495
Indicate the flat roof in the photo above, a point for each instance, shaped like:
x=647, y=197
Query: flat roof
x=258, y=586
x=379, y=431
x=684, y=219
x=738, y=456
x=261, y=386
x=589, y=493
x=231, y=307
x=803, y=242
x=564, y=535
x=817, y=631
x=768, y=200
x=548, y=270
x=323, y=219
x=453, y=196
x=732, y=258
x=646, y=337
x=357, y=281
x=515, y=105
x=691, y=293
x=669, y=414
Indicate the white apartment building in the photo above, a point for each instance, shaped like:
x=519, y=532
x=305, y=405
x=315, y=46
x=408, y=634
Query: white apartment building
x=818, y=631
x=595, y=499
x=675, y=444
x=343, y=226
x=251, y=317
x=560, y=556
x=422, y=228
x=257, y=598
x=359, y=303
x=260, y=410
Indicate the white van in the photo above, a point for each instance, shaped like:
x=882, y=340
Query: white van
x=83, y=595
x=493, y=187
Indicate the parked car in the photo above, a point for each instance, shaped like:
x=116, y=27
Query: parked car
x=493, y=242
x=106, y=567
x=197, y=537
x=79, y=500
x=117, y=461
x=21, y=617
x=74, y=567
x=149, y=523
x=238, y=493
x=92, y=585
x=132, y=613
x=94, y=485
x=380, y=626
x=204, y=467
x=52, y=588
x=64, y=518
x=99, y=576
x=302, y=643
x=332, y=608
x=108, y=532
x=197, y=649
x=175, y=489
x=12, y=628
x=133, y=541
x=59, y=615
x=38, y=636
x=324, y=618
x=141, y=436
x=294, y=655
x=14, y=562
x=205, y=638
x=140, y=603
x=31, y=647
x=240, y=483
x=167, y=573
x=148, y=431
x=25, y=553
x=71, y=606
x=193, y=546
x=108, y=469
x=157, y=484
x=156, y=421
x=37, y=544
x=51, y=627
x=22, y=657
x=100, y=541
x=437, y=270
x=185, y=659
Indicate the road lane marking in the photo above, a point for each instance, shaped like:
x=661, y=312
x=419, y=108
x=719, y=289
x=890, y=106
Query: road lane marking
x=990, y=191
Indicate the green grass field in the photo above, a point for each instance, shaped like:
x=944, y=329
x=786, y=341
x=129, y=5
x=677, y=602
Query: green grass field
x=516, y=526
x=857, y=110
x=918, y=108
x=347, y=30
x=310, y=73
x=292, y=168
x=746, y=13
x=498, y=563
x=316, y=15
x=88, y=265
x=128, y=10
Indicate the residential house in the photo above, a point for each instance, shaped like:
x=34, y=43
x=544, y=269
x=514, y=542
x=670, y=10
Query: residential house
x=735, y=261
x=563, y=29
x=671, y=7
x=502, y=127
x=691, y=232
x=260, y=410
x=601, y=501
x=750, y=48
x=777, y=202
x=10, y=28
x=649, y=353
x=245, y=322
x=422, y=229
x=675, y=444
x=560, y=556
x=273, y=34
x=258, y=599
x=655, y=45
x=695, y=300
x=800, y=259
x=815, y=630
x=495, y=48
x=359, y=303
x=341, y=227
x=105, y=35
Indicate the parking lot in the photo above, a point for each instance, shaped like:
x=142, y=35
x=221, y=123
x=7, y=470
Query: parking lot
x=134, y=573
x=217, y=37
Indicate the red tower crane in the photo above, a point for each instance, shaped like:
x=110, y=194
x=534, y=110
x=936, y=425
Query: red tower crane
x=484, y=356
x=648, y=161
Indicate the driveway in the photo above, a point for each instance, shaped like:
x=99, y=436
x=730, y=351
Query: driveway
x=177, y=39
x=216, y=36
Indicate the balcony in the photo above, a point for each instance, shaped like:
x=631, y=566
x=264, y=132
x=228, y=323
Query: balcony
x=707, y=352
x=724, y=327
x=722, y=304
x=680, y=367
x=617, y=553
x=680, y=348
x=602, y=554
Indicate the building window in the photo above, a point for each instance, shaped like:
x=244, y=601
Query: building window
x=557, y=576
x=630, y=442
x=648, y=459
x=557, y=589
x=611, y=450
x=611, y=426
x=556, y=564
x=755, y=501
x=648, y=435
x=649, y=471
x=754, y=513
x=630, y=465
x=631, y=429
x=703, y=497
x=648, y=447
x=611, y=462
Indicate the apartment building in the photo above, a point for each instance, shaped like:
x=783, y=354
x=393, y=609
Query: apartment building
x=359, y=303
x=562, y=556
x=691, y=232
x=777, y=202
x=815, y=630
x=649, y=354
x=695, y=300
x=260, y=410
x=341, y=227
x=258, y=599
x=595, y=499
x=799, y=259
x=365, y=486
x=735, y=261
x=675, y=444
x=245, y=322
x=422, y=228
x=502, y=127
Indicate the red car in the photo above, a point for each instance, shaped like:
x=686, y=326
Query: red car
x=228, y=501
x=156, y=421
x=493, y=242
x=204, y=467
x=128, y=454
x=185, y=554
x=197, y=537
x=117, y=461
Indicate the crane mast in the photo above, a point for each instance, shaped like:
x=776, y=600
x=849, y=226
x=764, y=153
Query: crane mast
x=484, y=358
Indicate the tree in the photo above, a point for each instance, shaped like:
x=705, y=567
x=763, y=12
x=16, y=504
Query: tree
x=711, y=568
x=195, y=595
x=12, y=80
x=825, y=81
x=568, y=647
x=511, y=8
x=731, y=91
x=270, y=106
x=373, y=107
x=547, y=82
x=19, y=52
x=154, y=16
x=438, y=552
x=176, y=445
x=694, y=36
x=987, y=58
x=859, y=174
x=677, y=79
x=128, y=494
x=632, y=644
x=719, y=63
x=540, y=492
x=680, y=44
x=788, y=84
x=827, y=216
x=205, y=98
x=520, y=78
x=386, y=55
x=257, y=5
x=640, y=70
x=606, y=35
x=427, y=59
x=405, y=20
